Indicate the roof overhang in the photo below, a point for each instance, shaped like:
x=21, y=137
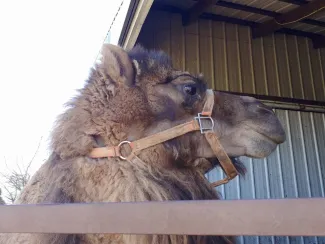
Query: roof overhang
x=304, y=18
x=128, y=23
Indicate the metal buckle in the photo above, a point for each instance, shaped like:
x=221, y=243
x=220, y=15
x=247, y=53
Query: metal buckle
x=119, y=148
x=203, y=129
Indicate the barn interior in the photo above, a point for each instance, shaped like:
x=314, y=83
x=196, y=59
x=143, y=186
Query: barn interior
x=273, y=50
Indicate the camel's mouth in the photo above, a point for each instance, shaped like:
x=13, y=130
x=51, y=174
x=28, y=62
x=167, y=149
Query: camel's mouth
x=276, y=135
x=276, y=138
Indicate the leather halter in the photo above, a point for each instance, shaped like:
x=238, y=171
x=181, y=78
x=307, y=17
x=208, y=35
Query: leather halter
x=193, y=125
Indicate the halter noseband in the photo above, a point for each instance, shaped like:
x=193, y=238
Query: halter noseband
x=193, y=125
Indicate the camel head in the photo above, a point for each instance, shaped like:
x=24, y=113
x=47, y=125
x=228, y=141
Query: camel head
x=133, y=94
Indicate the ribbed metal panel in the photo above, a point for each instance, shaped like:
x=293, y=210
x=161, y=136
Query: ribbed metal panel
x=277, y=65
x=295, y=169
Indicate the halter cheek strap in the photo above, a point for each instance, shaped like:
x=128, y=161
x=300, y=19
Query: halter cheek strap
x=193, y=125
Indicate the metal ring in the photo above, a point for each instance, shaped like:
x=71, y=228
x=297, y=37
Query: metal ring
x=119, y=148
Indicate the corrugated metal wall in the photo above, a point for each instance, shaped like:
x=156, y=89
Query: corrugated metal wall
x=296, y=169
x=276, y=65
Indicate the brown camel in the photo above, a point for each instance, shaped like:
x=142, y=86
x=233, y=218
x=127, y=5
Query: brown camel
x=127, y=97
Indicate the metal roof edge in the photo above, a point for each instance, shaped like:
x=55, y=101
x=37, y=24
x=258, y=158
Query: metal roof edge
x=135, y=17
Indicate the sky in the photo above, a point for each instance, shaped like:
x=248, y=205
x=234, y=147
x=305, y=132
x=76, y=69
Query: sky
x=46, y=51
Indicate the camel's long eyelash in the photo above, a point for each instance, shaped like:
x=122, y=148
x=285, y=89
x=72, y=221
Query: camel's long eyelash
x=168, y=79
x=171, y=78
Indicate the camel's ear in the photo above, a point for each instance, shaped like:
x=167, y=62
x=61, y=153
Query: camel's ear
x=116, y=64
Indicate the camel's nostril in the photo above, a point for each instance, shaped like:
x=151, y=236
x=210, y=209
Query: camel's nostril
x=248, y=99
x=256, y=105
x=264, y=108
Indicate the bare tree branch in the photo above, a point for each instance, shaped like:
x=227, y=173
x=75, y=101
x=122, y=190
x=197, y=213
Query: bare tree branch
x=30, y=162
x=15, y=180
x=1, y=200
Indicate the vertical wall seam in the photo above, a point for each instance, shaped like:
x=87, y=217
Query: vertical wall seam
x=238, y=59
x=278, y=157
x=223, y=186
x=253, y=68
x=251, y=61
x=252, y=178
x=291, y=154
x=322, y=64
x=225, y=54
x=198, y=63
x=267, y=180
x=299, y=68
x=312, y=82
x=198, y=53
x=288, y=65
x=264, y=67
x=212, y=58
x=304, y=153
x=276, y=67
x=238, y=187
x=317, y=155
x=280, y=171
x=184, y=49
x=169, y=39
x=170, y=34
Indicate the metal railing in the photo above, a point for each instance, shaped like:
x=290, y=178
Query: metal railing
x=276, y=217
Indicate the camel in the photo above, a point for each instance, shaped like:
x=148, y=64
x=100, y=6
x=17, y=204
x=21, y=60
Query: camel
x=133, y=97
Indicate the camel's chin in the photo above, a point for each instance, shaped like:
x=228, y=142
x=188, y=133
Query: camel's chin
x=260, y=147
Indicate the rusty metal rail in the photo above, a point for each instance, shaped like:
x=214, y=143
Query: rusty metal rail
x=280, y=217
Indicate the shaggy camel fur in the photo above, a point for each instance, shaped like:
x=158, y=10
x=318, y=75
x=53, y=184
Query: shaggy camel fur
x=130, y=95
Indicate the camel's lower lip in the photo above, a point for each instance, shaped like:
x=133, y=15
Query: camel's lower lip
x=269, y=147
x=276, y=139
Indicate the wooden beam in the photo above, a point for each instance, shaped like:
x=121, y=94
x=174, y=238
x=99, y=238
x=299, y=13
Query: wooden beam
x=278, y=22
x=196, y=10
x=296, y=2
x=279, y=217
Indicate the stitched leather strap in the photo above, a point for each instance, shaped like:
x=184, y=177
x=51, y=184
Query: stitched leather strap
x=209, y=103
x=165, y=135
x=223, y=158
x=148, y=141
x=105, y=152
x=215, y=145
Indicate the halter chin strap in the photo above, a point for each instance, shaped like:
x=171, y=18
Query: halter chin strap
x=194, y=125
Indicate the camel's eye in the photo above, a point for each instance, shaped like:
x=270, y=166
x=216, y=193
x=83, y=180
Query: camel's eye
x=190, y=89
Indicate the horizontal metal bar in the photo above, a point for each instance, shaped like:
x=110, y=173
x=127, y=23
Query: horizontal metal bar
x=296, y=2
x=294, y=107
x=287, y=100
x=280, y=217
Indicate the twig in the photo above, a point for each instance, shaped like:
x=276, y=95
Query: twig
x=30, y=162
